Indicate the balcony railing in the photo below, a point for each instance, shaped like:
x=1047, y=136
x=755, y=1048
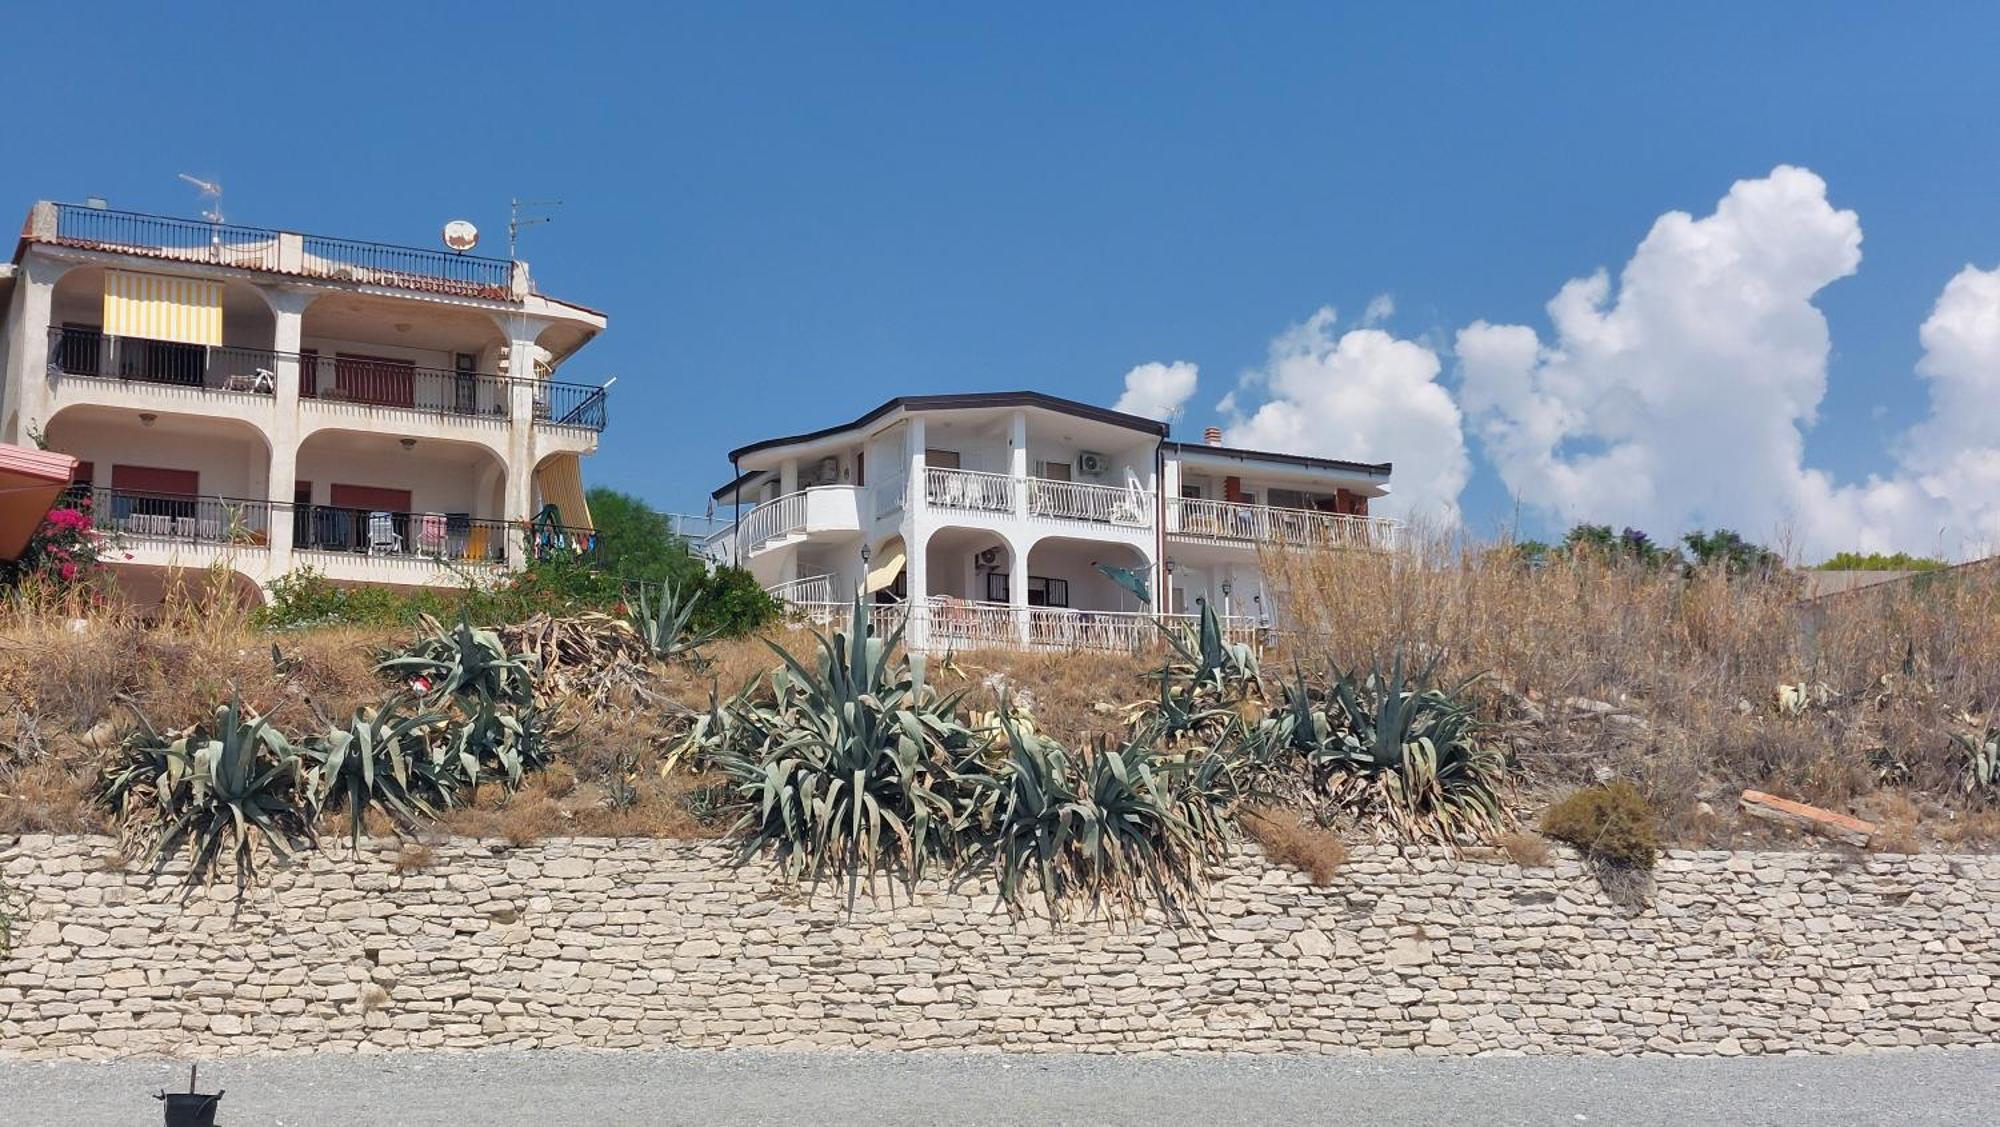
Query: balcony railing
x=961, y=624
x=372, y=382
x=90, y=354
x=159, y=236
x=260, y=248
x=455, y=537
x=142, y=517
x=1230, y=521
x=570, y=405
x=782, y=516
x=971, y=491
x=819, y=508
x=806, y=590
x=389, y=383
x=407, y=268
x=1096, y=504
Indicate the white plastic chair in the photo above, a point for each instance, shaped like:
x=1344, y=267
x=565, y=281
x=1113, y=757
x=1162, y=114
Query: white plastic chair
x=382, y=536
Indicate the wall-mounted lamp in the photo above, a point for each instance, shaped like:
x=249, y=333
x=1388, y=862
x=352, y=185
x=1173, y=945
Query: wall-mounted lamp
x=409, y=444
x=147, y=418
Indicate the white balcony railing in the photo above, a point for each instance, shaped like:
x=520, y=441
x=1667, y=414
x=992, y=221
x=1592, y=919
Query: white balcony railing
x=960, y=624
x=822, y=508
x=805, y=590
x=972, y=491
x=1096, y=504
x=1232, y=522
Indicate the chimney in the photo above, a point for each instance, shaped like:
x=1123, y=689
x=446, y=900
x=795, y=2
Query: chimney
x=1212, y=436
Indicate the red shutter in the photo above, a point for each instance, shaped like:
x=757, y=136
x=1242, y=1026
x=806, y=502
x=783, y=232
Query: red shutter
x=375, y=379
x=370, y=498
x=1232, y=489
x=154, y=479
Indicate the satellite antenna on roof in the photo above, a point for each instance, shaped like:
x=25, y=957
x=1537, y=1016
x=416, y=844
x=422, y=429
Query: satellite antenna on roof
x=516, y=221
x=211, y=194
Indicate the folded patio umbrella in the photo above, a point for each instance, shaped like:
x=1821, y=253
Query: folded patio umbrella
x=30, y=481
x=1133, y=580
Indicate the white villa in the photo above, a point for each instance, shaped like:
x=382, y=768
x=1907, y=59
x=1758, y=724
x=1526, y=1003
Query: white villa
x=1016, y=519
x=260, y=400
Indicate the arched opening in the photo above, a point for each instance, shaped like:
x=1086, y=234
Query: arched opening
x=967, y=565
x=1086, y=594
x=379, y=495
x=355, y=348
x=165, y=337
x=164, y=476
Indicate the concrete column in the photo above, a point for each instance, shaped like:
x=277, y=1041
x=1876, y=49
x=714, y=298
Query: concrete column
x=520, y=370
x=1017, y=588
x=288, y=309
x=788, y=477
x=917, y=568
x=28, y=349
x=1170, y=490
x=915, y=500
x=1017, y=453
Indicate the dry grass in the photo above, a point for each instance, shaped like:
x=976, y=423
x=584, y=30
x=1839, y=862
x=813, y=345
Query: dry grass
x=414, y=857
x=1590, y=671
x=1593, y=670
x=1528, y=850
x=1296, y=843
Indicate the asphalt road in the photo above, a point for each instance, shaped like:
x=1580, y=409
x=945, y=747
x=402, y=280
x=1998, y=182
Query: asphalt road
x=743, y=1087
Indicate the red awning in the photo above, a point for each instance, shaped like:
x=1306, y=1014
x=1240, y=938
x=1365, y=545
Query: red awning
x=30, y=482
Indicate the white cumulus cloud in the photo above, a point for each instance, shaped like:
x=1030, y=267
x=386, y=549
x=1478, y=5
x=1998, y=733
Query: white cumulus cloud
x=1364, y=395
x=1680, y=398
x=1158, y=391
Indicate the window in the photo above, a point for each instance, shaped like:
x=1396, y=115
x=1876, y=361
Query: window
x=1042, y=591
x=465, y=383
x=1046, y=592
x=1053, y=471
x=1191, y=492
x=153, y=491
x=942, y=459
x=79, y=348
x=1288, y=499
x=161, y=361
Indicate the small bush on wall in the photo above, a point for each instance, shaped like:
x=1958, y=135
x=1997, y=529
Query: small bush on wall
x=1610, y=824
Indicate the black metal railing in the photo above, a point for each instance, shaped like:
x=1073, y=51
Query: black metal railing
x=160, y=236
x=458, y=537
x=368, y=381
x=87, y=352
x=179, y=518
x=257, y=248
x=391, y=383
x=408, y=268
x=570, y=405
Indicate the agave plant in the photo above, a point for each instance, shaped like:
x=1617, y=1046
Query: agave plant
x=1113, y=825
x=382, y=761
x=467, y=664
x=668, y=628
x=1391, y=752
x=1982, y=761
x=852, y=766
x=208, y=789
x=1204, y=656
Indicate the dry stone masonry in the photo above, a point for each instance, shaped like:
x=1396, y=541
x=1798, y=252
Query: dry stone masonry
x=615, y=944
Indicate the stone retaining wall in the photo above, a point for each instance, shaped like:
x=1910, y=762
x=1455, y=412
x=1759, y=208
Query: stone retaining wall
x=588, y=942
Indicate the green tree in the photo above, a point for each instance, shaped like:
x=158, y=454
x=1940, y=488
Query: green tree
x=636, y=544
x=1876, y=561
x=1739, y=556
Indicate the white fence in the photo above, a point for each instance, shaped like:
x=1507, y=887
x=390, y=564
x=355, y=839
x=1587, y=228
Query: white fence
x=964, y=625
x=1202, y=519
x=973, y=491
x=1098, y=504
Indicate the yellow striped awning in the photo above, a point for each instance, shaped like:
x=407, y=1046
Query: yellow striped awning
x=561, y=481
x=159, y=307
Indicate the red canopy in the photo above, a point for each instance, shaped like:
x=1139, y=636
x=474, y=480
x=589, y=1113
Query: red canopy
x=30, y=482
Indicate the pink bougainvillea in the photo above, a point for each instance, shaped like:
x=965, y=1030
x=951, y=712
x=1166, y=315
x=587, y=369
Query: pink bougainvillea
x=66, y=548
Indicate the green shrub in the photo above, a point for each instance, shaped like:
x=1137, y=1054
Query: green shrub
x=1611, y=824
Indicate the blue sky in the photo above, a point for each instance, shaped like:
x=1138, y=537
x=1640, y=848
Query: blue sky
x=791, y=214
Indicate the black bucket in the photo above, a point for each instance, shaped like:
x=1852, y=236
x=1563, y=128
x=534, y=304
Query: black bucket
x=191, y=1109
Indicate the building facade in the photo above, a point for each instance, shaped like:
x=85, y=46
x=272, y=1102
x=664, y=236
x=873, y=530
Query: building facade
x=1023, y=520
x=262, y=400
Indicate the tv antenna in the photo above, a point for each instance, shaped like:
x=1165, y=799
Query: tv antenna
x=516, y=220
x=211, y=194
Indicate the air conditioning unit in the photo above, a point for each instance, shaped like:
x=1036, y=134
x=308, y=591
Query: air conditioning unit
x=988, y=558
x=1092, y=463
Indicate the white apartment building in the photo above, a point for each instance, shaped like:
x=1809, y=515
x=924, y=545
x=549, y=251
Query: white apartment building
x=264, y=400
x=1017, y=519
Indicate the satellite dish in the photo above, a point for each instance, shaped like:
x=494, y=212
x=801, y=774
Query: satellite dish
x=460, y=235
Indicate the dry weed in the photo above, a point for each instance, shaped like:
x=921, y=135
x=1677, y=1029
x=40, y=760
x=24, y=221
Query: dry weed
x=1295, y=843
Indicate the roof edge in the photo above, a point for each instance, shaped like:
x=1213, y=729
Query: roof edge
x=1373, y=469
x=963, y=401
